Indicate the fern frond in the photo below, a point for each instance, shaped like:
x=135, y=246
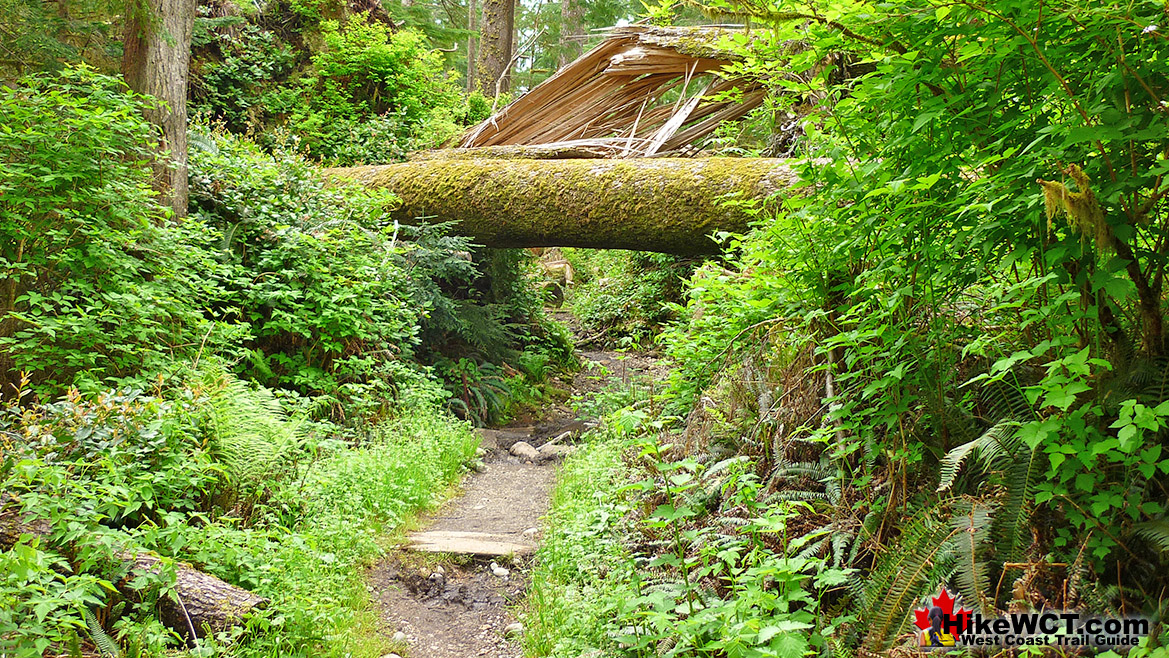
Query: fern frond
x=251, y=435
x=814, y=549
x=972, y=527
x=920, y=557
x=812, y=470
x=988, y=446
x=952, y=463
x=105, y=644
x=842, y=540
x=1003, y=399
x=1156, y=532
x=735, y=521
x=795, y=494
x=1010, y=526
x=868, y=528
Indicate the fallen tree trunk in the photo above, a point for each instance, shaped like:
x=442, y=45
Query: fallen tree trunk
x=670, y=205
x=583, y=148
x=203, y=601
x=13, y=523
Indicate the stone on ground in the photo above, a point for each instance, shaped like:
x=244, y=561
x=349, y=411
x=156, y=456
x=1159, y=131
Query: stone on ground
x=524, y=450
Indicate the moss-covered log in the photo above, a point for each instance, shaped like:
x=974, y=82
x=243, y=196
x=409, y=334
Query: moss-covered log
x=670, y=205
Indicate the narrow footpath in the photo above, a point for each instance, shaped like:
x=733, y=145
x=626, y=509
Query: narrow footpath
x=451, y=589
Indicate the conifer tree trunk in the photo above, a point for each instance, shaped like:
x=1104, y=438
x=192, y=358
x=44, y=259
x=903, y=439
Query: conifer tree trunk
x=495, y=46
x=571, y=15
x=155, y=61
x=472, y=44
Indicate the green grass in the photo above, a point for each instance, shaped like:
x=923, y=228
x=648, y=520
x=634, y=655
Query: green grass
x=315, y=574
x=581, y=567
x=303, y=537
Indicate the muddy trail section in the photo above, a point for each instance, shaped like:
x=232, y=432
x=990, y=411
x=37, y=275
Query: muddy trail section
x=450, y=591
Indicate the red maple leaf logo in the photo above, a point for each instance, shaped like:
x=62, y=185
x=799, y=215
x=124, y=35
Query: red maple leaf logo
x=921, y=616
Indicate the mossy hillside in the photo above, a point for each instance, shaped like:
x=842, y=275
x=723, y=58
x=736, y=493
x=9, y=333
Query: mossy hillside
x=669, y=205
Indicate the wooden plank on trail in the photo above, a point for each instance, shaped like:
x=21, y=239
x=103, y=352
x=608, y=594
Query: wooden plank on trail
x=467, y=543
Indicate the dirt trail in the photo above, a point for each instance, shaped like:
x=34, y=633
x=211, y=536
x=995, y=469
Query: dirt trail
x=459, y=606
x=452, y=606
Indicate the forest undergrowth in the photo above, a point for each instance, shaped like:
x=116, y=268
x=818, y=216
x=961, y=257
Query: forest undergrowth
x=940, y=364
x=262, y=391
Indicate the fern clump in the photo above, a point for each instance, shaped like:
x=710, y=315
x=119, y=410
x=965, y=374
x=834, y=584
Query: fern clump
x=251, y=437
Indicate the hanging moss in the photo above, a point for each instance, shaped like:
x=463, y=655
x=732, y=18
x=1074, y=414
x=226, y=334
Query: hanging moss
x=669, y=205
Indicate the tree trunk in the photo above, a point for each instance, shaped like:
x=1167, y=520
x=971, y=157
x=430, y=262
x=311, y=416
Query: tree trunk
x=495, y=47
x=472, y=44
x=571, y=32
x=155, y=61
x=557, y=151
x=669, y=205
x=204, y=601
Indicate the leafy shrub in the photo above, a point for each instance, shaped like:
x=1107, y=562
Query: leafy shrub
x=366, y=71
x=97, y=285
x=104, y=471
x=625, y=294
x=964, y=326
x=582, y=568
x=121, y=471
x=234, y=80
x=316, y=274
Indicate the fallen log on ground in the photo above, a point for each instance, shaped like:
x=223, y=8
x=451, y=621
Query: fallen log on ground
x=203, y=601
x=670, y=205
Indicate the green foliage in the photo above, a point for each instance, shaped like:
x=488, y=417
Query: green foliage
x=96, y=286
x=582, y=567
x=234, y=80
x=316, y=274
x=625, y=294
x=294, y=283
x=926, y=313
x=478, y=392
x=340, y=305
x=321, y=527
x=962, y=331
x=41, y=599
x=314, y=10
x=105, y=645
x=365, y=71
x=693, y=587
x=102, y=470
x=250, y=438
x=39, y=37
x=324, y=79
x=123, y=471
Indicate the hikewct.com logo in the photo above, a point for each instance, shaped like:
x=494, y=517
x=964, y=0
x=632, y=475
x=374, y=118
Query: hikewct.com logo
x=943, y=622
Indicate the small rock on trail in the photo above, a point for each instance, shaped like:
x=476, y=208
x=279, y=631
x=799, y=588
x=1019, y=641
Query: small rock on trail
x=524, y=450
